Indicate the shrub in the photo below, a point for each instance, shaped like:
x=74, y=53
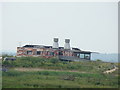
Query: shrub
x=99, y=60
x=68, y=77
x=54, y=60
x=64, y=62
x=45, y=73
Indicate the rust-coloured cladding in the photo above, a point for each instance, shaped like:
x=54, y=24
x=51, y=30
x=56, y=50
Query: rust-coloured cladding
x=48, y=52
x=34, y=51
x=66, y=52
x=20, y=51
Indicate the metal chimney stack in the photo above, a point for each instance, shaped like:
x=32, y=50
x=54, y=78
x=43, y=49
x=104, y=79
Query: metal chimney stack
x=67, y=44
x=55, y=44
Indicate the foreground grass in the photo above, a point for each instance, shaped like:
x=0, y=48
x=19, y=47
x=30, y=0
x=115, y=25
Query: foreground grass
x=57, y=79
x=61, y=78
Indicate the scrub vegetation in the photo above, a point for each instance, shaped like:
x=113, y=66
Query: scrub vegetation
x=34, y=72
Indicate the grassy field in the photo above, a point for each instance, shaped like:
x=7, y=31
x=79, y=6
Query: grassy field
x=33, y=72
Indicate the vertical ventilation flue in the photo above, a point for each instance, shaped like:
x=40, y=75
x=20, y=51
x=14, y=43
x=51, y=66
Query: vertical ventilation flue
x=67, y=44
x=55, y=44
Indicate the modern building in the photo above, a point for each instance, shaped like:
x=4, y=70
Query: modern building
x=63, y=53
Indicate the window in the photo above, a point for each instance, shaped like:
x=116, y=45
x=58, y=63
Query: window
x=29, y=52
x=78, y=54
x=81, y=55
x=87, y=56
x=38, y=52
x=52, y=53
x=60, y=53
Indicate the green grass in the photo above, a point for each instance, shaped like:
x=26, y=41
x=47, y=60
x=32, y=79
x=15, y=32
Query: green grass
x=55, y=79
x=53, y=63
x=92, y=78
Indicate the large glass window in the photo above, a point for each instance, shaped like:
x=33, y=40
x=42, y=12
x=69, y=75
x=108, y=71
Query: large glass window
x=87, y=56
x=81, y=55
x=78, y=54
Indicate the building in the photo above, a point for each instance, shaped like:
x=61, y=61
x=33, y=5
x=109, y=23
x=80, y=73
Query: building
x=63, y=53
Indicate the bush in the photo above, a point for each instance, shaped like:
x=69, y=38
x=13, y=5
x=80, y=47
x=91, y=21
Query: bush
x=45, y=73
x=99, y=60
x=68, y=77
x=54, y=60
x=6, y=55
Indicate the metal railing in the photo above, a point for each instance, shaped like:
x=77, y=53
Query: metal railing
x=70, y=58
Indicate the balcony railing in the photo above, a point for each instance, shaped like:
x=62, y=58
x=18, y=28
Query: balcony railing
x=70, y=58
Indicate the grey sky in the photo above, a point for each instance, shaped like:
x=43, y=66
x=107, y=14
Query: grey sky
x=90, y=26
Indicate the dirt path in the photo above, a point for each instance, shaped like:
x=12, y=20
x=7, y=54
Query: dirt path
x=39, y=69
x=110, y=71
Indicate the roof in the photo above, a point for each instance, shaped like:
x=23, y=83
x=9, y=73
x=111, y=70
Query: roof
x=61, y=47
x=32, y=46
x=37, y=46
x=75, y=50
x=48, y=46
x=40, y=46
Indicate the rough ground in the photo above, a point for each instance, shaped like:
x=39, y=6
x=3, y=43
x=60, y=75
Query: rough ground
x=110, y=71
x=39, y=69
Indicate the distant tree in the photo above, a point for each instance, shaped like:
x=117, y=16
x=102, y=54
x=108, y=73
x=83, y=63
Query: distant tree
x=6, y=55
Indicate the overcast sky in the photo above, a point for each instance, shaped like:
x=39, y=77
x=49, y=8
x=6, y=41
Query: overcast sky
x=90, y=26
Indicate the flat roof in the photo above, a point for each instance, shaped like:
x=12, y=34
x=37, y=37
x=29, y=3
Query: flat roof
x=75, y=50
